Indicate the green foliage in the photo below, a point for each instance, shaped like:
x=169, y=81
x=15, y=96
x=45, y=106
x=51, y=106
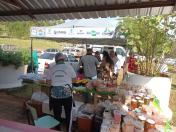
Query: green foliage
x=173, y=51
x=21, y=29
x=16, y=58
x=148, y=37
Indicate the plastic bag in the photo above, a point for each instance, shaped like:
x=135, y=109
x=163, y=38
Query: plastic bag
x=39, y=96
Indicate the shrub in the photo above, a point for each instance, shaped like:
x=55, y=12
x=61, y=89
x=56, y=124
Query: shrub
x=17, y=58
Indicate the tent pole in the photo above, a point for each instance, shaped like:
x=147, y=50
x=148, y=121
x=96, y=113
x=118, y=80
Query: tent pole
x=32, y=62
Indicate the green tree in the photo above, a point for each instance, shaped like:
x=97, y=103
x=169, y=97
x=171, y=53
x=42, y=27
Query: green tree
x=149, y=37
x=21, y=29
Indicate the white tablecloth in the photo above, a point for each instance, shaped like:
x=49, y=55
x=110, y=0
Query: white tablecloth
x=45, y=109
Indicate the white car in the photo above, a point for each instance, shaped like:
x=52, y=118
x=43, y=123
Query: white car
x=45, y=60
x=52, y=50
x=170, y=61
x=48, y=59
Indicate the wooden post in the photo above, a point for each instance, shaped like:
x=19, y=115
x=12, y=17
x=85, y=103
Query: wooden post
x=32, y=62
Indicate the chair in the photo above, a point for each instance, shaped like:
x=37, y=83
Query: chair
x=42, y=122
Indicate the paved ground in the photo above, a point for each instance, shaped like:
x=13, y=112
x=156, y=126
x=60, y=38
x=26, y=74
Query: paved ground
x=12, y=108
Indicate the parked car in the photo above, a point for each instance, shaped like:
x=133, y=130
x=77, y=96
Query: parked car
x=8, y=47
x=52, y=50
x=170, y=61
x=44, y=61
x=48, y=59
x=76, y=51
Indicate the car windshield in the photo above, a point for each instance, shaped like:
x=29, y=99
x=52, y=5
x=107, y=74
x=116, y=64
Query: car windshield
x=48, y=56
x=52, y=50
x=120, y=51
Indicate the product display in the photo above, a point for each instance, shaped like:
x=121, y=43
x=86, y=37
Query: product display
x=123, y=108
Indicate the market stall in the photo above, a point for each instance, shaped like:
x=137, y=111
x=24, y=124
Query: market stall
x=131, y=105
x=127, y=107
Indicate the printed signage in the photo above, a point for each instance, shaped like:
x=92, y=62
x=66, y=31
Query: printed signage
x=83, y=32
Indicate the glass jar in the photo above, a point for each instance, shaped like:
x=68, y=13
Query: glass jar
x=142, y=119
x=134, y=104
x=140, y=103
x=147, y=100
x=138, y=98
x=149, y=124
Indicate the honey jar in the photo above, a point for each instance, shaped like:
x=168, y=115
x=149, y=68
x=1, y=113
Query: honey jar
x=142, y=118
x=138, y=98
x=134, y=104
x=149, y=124
x=147, y=100
x=140, y=103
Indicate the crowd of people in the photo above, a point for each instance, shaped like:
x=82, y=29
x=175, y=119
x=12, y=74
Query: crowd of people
x=105, y=68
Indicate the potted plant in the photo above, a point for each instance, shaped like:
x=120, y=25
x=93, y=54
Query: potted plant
x=12, y=65
x=150, y=37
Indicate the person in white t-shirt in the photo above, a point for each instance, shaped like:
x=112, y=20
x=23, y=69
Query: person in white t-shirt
x=60, y=77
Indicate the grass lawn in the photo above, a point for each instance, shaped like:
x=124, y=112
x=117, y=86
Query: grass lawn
x=37, y=43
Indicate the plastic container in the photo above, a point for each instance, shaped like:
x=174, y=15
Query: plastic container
x=117, y=116
x=147, y=100
x=149, y=124
x=84, y=124
x=134, y=104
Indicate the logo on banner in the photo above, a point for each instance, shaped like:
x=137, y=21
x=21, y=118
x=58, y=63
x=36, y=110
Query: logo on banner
x=71, y=32
x=93, y=33
x=49, y=31
x=108, y=32
x=60, y=32
x=33, y=32
x=80, y=32
x=41, y=32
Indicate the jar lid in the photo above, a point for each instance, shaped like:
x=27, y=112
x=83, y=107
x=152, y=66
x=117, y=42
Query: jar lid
x=147, y=97
x=151, y=121
x=141, y=95
x=138, y=98
x=134, y=100
x=141, y=101
x=142, y=118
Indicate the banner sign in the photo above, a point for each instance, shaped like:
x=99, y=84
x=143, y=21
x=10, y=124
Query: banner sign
x=78, y=32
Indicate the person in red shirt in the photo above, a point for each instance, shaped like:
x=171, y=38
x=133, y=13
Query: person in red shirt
x=132, y=63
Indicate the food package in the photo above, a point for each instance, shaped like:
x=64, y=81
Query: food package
x=89, y=85
x=153, y=130
x=117, y=116
x=139, y=126
x=39, y=96
x=94, y=84
x=104, y=128
x=86, y=110
x=128, y=120
x=84, y=124
x=138, y=130
x=115, y=128
x=128, y=127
